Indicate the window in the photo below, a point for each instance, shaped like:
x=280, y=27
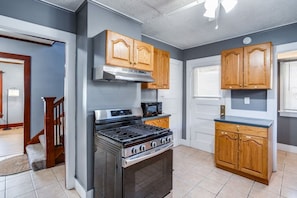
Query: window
x=207, y=82
x=288, y=89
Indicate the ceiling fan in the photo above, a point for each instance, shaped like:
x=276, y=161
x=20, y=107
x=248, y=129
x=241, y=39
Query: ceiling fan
x=212, y=8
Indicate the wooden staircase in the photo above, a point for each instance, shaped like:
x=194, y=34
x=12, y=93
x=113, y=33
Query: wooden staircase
x=46, y=149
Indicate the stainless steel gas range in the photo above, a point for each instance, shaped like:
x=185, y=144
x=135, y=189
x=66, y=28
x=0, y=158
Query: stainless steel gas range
x=131, y=159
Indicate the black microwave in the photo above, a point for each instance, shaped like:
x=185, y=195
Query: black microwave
x=151, y=108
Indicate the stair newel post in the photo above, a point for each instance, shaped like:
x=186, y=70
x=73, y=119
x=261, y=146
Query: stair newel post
x=49, y=130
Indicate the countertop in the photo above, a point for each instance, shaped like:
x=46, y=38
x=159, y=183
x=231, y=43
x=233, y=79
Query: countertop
x=245, y=121
x=156, y=117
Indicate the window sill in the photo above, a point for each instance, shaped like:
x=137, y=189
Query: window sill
x=284, y=113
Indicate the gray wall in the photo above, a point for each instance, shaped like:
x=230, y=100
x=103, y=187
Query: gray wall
x=13, y=77
x=47, y=73
x=175, y=53
x=280, y=35
x=277, y=36
x=258, y=100
x=92, y=20
x=39, y=13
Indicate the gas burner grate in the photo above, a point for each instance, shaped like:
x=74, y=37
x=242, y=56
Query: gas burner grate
x=131, y=132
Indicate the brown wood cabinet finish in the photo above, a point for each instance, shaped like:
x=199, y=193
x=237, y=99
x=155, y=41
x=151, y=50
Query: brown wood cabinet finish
x=159, y=122
x=244, y=150
x=247, y=68
x=161, y=71
x=126, y=52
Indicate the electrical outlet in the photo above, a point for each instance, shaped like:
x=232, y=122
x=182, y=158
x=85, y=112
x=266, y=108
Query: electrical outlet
x=246, y=100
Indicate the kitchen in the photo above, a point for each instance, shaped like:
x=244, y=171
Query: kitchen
x=89, y=97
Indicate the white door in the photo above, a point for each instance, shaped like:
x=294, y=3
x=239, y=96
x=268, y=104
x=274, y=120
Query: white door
x=172, y=99
x=202, y=109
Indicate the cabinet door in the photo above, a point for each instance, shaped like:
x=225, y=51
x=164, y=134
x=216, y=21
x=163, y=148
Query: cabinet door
x=160, y=122
x=253, y=155
x=164, y=70
x=119, y=50
x=232, y=69
x=257, y=66
x=143, y=56
x=226, y=149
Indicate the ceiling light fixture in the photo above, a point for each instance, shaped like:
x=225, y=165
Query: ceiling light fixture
x=213, y=8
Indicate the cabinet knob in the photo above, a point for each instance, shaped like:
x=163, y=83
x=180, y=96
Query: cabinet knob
x=255, y=86
x=237, y=128
x=240, y=85
x=230, y=86
x=249, y=137
x=131, y=63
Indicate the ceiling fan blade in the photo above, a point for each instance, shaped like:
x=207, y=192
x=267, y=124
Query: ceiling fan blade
x=190, y=5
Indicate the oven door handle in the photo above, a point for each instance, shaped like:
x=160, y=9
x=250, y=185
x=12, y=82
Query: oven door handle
x=149, y=154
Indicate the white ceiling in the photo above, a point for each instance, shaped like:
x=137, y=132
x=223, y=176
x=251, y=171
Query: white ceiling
x=188, y=28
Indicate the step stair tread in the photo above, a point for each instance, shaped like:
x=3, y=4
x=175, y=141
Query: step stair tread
x=36, y=156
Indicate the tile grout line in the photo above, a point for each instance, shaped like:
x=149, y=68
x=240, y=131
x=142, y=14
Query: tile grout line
x=33, y=184
x=224, y=185
x=59, y=181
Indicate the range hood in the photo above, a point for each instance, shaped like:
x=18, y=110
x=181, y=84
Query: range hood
x=121, y=74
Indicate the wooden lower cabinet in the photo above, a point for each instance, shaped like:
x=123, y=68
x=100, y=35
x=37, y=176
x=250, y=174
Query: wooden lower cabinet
x=159, y=122
x=244, y=150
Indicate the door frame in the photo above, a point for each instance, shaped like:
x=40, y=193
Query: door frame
x=190, y=65
x=24, y=27
x=27, y=93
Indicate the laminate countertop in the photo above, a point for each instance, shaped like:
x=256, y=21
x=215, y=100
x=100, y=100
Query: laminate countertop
x=156, y=117
x=245, y=121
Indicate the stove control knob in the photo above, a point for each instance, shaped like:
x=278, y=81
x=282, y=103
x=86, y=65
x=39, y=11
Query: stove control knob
x=134, y=151
x=168, y=139
x=141, y=148
x=153, y=144
x=163, y=141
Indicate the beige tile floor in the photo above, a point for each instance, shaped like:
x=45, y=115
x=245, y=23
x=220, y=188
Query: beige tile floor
x=194, y=176
x=47, y=183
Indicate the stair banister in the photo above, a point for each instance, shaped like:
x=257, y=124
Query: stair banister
x=49, y=130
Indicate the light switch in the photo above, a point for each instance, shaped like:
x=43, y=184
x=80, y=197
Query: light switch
x=246, y=100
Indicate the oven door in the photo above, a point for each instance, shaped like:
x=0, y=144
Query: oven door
x=149, y=178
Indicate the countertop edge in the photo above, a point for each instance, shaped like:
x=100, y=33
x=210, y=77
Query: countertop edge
x=156, y=117
x=249, y=123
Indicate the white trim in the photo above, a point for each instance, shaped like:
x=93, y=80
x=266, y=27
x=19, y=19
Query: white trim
x=286, y=147
x=285, y=113
x=69, y=39
x=81, y=191
x=277, y=49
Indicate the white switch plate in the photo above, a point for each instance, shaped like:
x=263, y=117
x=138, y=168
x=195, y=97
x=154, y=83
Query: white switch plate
x=246, y=100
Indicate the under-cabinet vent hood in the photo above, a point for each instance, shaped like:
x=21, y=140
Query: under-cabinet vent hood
x=114, y=73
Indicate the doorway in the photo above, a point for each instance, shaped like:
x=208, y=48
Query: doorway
x=13, y=91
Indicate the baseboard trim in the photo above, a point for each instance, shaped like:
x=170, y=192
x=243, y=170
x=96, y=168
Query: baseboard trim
x=286, y=147
x=81, y=191
x=11, y=125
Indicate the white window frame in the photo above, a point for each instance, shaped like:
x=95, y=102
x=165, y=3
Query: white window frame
x=285, y=87
x=198, y=89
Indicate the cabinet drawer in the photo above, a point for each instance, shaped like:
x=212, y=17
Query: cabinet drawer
x=249, y=130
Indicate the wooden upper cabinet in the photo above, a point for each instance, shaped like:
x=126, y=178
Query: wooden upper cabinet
x=257, y=66
x=143, y=56
x=119, y=50
x=232, y=69
x=124, y=51
x=165, y=70
x=247, y=68
x=160, y=72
